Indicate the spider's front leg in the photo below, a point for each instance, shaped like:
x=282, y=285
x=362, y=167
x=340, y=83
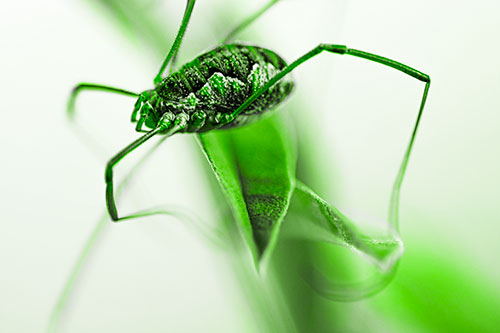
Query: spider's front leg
x=168, y=125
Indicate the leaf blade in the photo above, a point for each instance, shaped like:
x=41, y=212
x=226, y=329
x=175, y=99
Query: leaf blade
x=328, y=224
x=255, y=166
x=313, y=219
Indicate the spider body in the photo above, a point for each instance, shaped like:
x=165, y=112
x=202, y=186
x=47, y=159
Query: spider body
x=210, y=87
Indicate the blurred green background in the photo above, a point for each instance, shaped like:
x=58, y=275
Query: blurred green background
x=159, y=274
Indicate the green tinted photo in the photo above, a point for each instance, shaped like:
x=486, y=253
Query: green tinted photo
x=269, y=166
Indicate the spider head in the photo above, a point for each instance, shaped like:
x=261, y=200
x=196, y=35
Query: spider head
x=145, y=110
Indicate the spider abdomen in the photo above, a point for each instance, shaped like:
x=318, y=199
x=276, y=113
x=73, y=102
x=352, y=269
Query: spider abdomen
x=219, y=81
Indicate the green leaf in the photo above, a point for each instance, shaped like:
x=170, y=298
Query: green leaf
x=255, y=166
x=313, y=219
x=320, y=221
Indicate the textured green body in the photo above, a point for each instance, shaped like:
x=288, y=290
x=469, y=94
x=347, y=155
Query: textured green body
x=216, y=83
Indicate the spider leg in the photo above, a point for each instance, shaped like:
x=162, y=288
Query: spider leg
x=181, y=214
x=70, y=106
x=85, y=136
x=247, y=21
x=341, y=49
x=179, y=123
x=172, y=54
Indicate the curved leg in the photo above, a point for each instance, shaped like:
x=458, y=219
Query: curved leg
x=165, y=124
x=181, y=214
x=86, y=137
x=172, y=54
x=341, y=49
x=338, y=49
x=246, y=22
x=70, y=106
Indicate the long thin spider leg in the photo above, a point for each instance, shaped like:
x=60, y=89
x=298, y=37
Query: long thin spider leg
x=70, y=106
x=89, y=245
x=179, y=123
x=338, y=49
x=179, y=213
x=247, y=21
x=110, y=198
x=341, y=49
x=84, y=135
x=396, y=187
x=177, y=42
x=182, y=214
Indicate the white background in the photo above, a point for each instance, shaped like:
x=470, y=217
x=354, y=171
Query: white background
x=156, y=275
